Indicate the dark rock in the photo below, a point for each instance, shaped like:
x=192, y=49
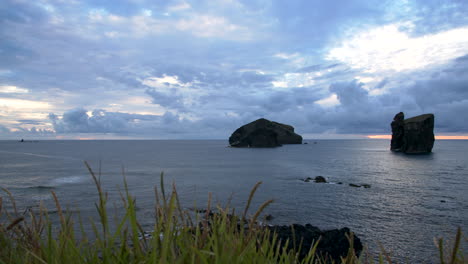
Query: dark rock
x=333, y=243
x=339, y=183
x=397, y=131
x=366, y=185
x=263, y=133
x=354, y=185
x=305, y=143
x=413, y=135
x=320, y=179
x=308, y=179
x=443, y=201
x=419, y=134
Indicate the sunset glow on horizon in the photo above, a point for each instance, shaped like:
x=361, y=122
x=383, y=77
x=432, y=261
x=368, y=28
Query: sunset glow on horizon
x=436, y=137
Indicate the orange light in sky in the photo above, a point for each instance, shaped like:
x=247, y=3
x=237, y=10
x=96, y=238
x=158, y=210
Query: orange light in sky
x=451, y=137
x=380, y=136
x=437, y=137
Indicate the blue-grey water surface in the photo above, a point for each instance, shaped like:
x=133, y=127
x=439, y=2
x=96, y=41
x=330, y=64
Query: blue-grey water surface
x=412, y=199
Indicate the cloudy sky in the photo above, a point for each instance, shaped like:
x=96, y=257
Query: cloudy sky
x=200, y=69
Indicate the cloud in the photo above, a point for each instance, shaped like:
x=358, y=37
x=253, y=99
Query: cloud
x=179, y=7
x=389, y=48
x=201, y=69
x=4, y=129
x=350, y=94
x=102, y=22
x=10, y=89
x=30, y=122
x=169, y=99
x=22, y=105
x=317, y=67
x=170, y=92
x=98, y=121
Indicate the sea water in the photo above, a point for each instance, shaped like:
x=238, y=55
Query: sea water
x=412, y=199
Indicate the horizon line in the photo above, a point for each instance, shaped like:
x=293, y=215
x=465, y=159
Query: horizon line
x=440, y=137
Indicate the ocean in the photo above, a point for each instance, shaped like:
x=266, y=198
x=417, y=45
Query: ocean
x=411, y=201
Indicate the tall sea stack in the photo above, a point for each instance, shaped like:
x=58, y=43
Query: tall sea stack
x=398, y=131
x=413, y=135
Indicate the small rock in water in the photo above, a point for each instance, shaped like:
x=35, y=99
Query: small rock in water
x=339, y=183
x=268, y=217
x=320, y=179
x=354, y=185
x=443, y=201
x=366, y=185
x=308, y=179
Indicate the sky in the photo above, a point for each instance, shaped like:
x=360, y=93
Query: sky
x=140, y=69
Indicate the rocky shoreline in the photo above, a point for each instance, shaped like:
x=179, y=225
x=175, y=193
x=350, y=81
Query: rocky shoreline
x=332, y=244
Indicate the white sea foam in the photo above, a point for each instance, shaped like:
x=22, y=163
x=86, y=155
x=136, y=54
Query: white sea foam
x=67, y=180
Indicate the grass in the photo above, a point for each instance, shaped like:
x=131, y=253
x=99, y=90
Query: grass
x=178, y=236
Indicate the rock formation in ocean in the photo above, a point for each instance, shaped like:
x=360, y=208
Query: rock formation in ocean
x=320, y=179
x=264, y=133
x=413, y=135
x=397, y=131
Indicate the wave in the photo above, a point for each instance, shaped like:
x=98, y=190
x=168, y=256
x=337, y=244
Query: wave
x=67, y=180
x=40, y=155
x=42, y=187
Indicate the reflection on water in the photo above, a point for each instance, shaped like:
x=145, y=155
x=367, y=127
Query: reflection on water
x=412, y=198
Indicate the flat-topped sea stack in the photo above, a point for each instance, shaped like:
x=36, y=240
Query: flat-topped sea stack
x=413, y=135
x=263, y=133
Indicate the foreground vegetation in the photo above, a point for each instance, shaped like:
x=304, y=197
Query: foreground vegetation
x=179, y=236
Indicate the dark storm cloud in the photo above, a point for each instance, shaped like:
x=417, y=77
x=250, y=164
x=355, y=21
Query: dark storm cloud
x=166, y=126
x=100, y=121
x=358, y=111
x=444, y=94
x=350, y=94
x=280, y=101
x=449, y=85
x=433, y=92
x=170, y=100
x=355, y=114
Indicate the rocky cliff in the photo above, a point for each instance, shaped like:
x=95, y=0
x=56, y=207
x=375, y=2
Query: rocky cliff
x=413, y=135
x=264, y=133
